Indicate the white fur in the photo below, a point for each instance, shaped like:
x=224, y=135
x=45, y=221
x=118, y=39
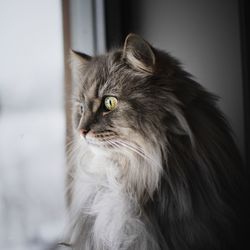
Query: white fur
x=102, y=192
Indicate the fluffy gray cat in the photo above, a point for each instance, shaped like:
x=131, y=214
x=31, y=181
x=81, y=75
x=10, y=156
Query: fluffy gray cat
x=154, y=165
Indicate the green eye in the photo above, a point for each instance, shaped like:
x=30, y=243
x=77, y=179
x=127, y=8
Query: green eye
x=110, y=103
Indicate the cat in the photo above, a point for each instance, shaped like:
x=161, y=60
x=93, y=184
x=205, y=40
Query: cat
x=155, y=166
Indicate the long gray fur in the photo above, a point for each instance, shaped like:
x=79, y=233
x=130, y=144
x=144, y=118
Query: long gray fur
x=161, y=171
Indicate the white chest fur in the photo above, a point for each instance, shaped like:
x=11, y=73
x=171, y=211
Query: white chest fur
x=105, y=215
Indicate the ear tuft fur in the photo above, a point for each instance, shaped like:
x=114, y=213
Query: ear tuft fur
x=139, y=53
x=77, y=59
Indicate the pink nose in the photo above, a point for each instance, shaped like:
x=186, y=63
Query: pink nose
x=83, y=131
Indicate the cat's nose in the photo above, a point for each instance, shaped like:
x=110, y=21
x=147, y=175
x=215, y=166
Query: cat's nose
x=83, y=132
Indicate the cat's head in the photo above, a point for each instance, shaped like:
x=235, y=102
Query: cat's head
x=129, y=102
x=125, y=100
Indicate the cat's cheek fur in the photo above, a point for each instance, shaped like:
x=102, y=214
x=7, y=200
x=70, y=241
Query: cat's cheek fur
x=138, y=171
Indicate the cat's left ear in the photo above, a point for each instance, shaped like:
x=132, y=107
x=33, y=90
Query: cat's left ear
x=78, y=59
x=139, y=54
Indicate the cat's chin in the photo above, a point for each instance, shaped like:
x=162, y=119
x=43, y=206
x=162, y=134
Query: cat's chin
x=99, y=148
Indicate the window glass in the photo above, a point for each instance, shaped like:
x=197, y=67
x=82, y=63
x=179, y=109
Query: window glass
x=31, y=124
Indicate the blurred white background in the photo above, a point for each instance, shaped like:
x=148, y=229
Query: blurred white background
x=31, y=124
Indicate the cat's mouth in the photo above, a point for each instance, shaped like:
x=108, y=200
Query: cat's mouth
x=104, y=139
x=111, y=140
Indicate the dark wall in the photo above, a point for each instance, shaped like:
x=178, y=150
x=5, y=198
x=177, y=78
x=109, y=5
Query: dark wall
x=205, y=36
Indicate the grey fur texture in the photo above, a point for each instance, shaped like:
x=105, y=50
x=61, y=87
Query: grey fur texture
x=161, y=170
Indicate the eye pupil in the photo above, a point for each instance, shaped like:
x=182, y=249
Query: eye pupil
x=110, y=103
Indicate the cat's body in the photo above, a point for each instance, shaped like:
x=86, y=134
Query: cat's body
x=155, y=166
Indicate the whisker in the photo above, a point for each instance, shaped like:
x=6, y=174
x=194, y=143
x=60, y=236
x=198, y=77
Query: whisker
x=132, y=147
x=69, y=143
x=112, y=143
x=71, y=151
x=137, y=150
x=65, y=244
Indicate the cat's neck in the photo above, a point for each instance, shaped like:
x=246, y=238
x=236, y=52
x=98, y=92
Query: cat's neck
x=105, y=202
x=126, y=174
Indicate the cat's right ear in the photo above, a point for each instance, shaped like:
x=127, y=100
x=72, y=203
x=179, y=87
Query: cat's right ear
x=78, y=59
x=139, y=54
